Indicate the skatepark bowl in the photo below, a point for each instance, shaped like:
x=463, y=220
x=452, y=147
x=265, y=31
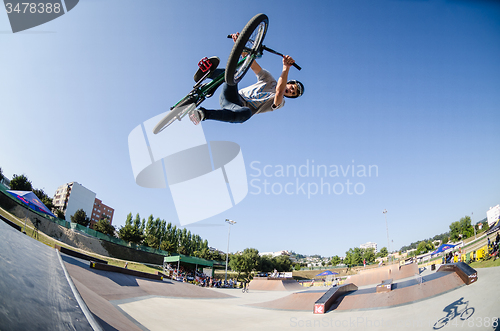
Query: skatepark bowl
x=44, y=289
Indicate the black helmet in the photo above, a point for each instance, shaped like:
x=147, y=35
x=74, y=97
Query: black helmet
x=300, y=87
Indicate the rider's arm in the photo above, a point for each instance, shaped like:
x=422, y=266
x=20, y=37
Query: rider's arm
x=281, y=85
x=256, y=68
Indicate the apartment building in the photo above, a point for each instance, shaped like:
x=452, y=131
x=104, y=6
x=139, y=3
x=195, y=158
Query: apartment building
x=73, y=196
x=369, y=245
x=101, y=211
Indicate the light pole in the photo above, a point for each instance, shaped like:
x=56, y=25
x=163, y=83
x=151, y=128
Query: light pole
x=473, y=225
x=387, y=228
x=230, y=222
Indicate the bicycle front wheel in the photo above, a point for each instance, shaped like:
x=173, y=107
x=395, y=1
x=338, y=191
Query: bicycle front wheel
x=467, y=313
x=249, y=42
x=177, y=113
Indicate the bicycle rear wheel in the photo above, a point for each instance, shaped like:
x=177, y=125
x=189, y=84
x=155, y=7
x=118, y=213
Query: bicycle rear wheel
x=249, y=42
x=442, y=322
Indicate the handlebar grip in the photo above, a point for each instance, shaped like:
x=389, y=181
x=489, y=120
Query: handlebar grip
x=297, y=66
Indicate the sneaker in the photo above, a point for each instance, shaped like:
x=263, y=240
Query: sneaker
x=196, y=116
x=214, y=60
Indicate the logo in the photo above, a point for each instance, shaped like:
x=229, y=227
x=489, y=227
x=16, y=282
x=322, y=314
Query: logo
x=319, y=309
x=24, y=15
x=205, y=178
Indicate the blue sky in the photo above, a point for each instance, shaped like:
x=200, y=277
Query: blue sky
x=407, y=87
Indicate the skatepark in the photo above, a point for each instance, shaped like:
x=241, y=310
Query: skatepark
x=52, y=290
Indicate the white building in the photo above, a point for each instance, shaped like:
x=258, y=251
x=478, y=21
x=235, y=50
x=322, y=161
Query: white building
x=73, y=196
x=369, y=245
x=493, y=215
x=274, y=254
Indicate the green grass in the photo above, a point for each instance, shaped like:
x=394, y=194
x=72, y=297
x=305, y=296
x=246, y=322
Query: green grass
x=486, y=264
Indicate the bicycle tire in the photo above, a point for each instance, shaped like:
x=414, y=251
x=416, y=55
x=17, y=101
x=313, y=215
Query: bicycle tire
x=174, y=114
x=250, y=40
x=442, y=322
x=467, y=313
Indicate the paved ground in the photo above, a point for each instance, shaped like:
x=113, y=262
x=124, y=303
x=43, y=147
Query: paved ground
x=234, y=313
x=35, y=294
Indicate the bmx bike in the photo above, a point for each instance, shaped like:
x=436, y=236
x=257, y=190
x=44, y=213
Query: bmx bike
x=245, y=289
x=464, y=314
x=245, y=50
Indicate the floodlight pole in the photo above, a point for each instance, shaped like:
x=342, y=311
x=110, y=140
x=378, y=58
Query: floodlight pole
x=387, y=228
x=230, y=222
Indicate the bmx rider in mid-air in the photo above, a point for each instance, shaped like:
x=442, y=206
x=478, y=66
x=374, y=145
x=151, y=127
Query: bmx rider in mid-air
x=264, y=96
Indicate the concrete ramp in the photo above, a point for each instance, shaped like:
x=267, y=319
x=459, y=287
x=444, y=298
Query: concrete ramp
x=36, y=293
x=348, y=298
x=378, y=275
x=301, y=301
x=274, y=284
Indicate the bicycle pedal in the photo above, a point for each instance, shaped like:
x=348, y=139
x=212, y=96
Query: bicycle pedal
x=204, y=64
x=205, y=67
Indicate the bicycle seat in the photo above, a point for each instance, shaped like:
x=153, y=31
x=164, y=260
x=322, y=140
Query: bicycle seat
x=205, y=65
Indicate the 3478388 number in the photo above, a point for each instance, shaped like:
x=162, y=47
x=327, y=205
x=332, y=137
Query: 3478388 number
x=33, y=8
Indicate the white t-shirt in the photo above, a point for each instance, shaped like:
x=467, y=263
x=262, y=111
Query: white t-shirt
x=259, y=97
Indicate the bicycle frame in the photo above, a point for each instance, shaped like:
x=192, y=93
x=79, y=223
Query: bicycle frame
x=200, y=92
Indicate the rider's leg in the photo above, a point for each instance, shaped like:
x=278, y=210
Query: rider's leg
x=216, y=73
x=232, y=110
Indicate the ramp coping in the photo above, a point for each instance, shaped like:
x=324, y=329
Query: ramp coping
x=90, y=318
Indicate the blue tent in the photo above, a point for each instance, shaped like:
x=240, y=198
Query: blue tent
x=326, y=273
x=31, y=200
x=442, y=248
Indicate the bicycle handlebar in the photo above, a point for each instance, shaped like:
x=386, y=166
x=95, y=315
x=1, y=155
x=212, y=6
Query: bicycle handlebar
x=271, y=51
x=277, y=53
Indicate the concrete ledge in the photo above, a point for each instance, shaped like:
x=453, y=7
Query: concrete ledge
x=12, y=224
x=78, y=254
x=385, y=286
x=325, y=302
x=463, y=270
x=107, y=267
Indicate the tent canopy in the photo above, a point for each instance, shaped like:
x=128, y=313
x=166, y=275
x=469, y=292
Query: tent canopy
x=31, y=200
x=191, y=260
x=442, y=248
x=327, y=273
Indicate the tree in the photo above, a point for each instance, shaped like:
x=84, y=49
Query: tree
x=383, y=252
x=266, y=263
x=486, y=226
x=282, y=263
x=368, y=254
x=20, y=183
x=245, y=262
x=335, y=260
x=424, y=247
x=353, y=256
x=105, y=227
x=131, y=232
x=466, y=227
x=80, y=217
x=461, y=229
x=59, y=213
x=1, y=174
